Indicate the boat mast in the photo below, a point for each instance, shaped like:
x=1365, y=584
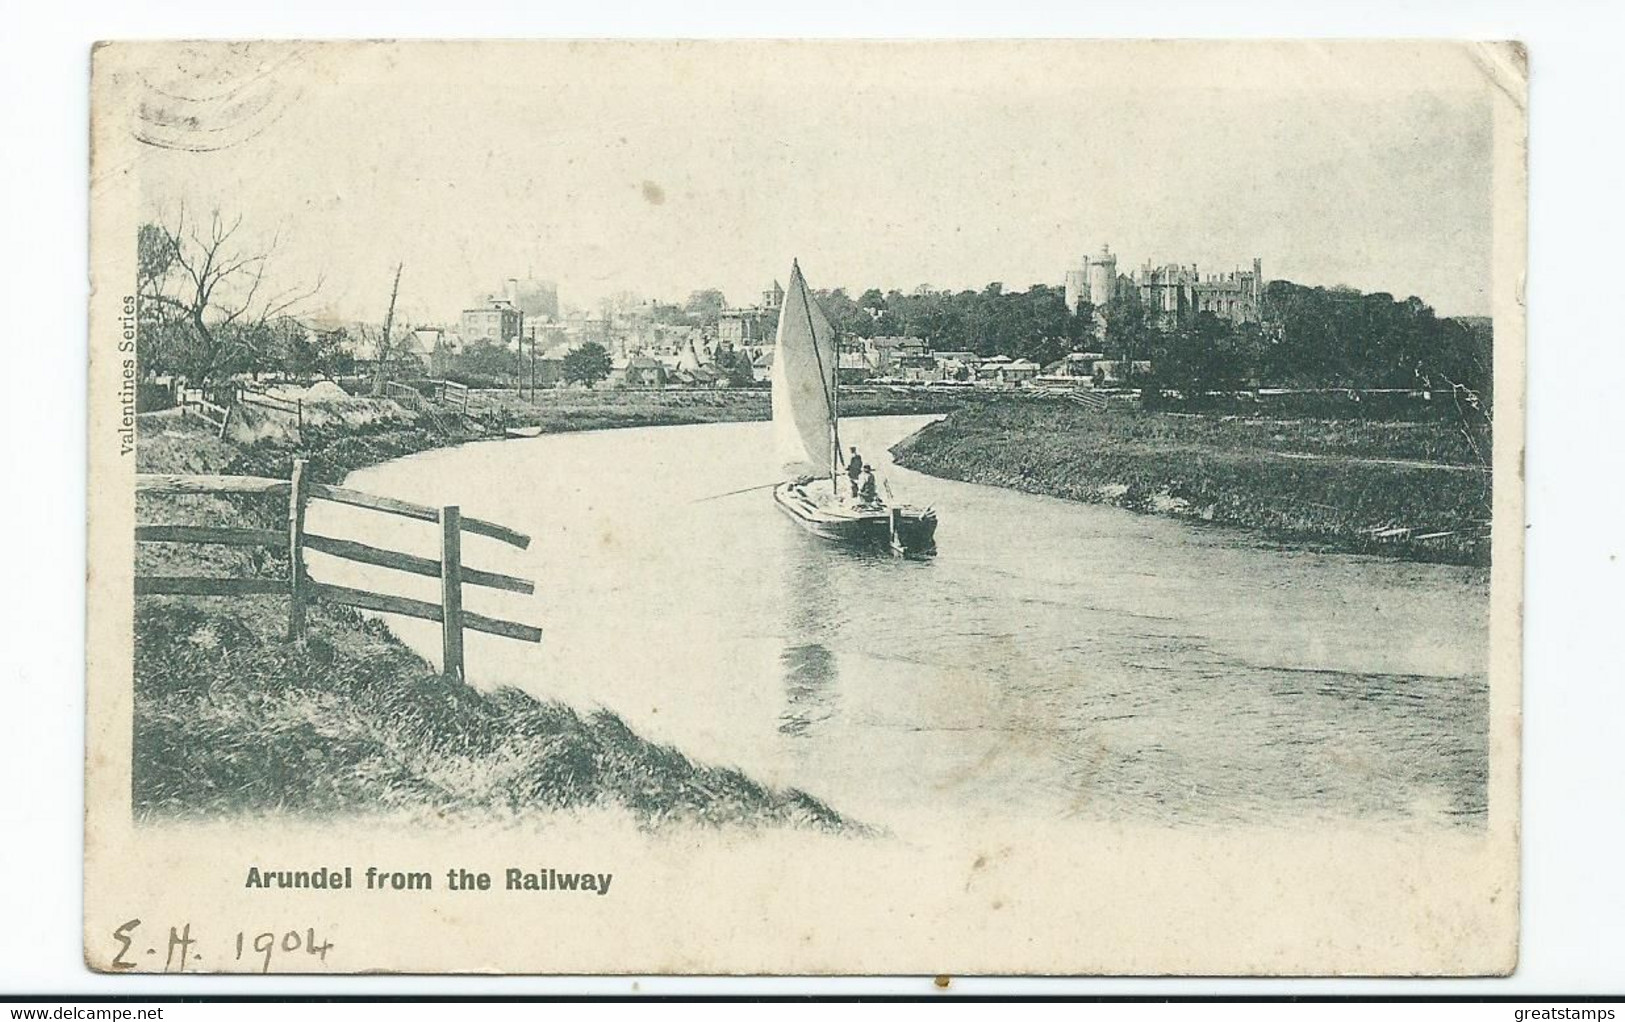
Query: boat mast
x=835, y=418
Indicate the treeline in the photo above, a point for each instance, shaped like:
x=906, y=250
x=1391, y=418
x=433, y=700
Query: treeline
x=208, y=306
x=171, y=344
x=1339, y=337
x=1310, y=337
x=1033, y=324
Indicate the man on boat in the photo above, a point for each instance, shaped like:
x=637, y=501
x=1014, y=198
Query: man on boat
x=854, y=468
x=867, y=493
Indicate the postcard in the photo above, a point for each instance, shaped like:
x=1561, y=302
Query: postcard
x=792, y=507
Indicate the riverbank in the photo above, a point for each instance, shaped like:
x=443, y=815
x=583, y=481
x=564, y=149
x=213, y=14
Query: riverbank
x=570, y=409
x=1412, y=490
x=231, y=718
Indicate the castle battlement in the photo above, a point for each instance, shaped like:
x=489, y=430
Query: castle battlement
x=1175, y=290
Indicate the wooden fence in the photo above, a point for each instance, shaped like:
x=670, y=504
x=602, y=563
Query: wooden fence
x=264, y=399
x=1092, y=401
x=406, y=396
x=193, y=401
x=413, y=396
x=451, y=394
x=301, y=589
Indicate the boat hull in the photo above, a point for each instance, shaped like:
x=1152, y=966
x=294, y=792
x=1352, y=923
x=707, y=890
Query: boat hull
x=908, y=531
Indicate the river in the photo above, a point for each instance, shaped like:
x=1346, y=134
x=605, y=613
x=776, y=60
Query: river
x=1055, y=660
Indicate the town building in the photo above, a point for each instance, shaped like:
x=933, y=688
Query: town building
x=885, y=353
x=1011, y=372
x=748, y=325
x=1079, y=365
x=498, y=321
x=853, y=367
x=535, y=299
x=1115, y=372
x=643, y=371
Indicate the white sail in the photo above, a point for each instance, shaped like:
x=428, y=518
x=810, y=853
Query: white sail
x=804, y=379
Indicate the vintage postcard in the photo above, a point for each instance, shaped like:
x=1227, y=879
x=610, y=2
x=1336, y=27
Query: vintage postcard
x=805, y=507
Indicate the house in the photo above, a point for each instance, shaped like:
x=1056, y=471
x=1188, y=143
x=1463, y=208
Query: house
x=1019, y=371
x=643, y=371
x=961, y=370
x=497, y=320
x=761, y=365
x=885, y=352
x=853, y=367
x=917, y=368
x=1011, y=372
x=704, y=376
x=1116, y=372
x=1076, y=366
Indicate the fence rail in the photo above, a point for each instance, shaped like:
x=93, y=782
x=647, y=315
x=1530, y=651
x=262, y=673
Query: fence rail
x=264, y=399
x=193, y=401
x=416, y=396
x=451, y=394
x=407, y=397
x=301, y=589
x=1091, y=401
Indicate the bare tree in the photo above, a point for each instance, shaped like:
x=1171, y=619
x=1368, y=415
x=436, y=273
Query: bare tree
x=382, y=376
x=216, y=283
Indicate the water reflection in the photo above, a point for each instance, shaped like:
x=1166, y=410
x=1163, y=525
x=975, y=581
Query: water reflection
x=809, y=687
x=811, y=616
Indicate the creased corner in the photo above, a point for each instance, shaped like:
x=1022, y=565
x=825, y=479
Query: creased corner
x=1506, y=64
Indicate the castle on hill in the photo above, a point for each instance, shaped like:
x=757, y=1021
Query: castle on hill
x=1174, y=291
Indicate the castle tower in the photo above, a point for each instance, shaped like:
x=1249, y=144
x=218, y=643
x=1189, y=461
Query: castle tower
x=1102, y=272
x=1076, y=288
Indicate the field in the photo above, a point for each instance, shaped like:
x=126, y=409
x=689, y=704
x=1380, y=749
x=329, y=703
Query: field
x=1417, y=490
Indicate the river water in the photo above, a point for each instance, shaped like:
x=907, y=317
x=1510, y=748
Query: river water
x=1055, y=660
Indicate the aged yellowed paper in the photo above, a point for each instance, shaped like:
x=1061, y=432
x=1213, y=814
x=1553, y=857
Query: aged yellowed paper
x=786, y=507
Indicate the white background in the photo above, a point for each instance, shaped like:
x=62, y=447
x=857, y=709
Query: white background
x=1574, y=684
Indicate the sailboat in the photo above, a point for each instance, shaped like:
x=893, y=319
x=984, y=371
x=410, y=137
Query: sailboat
x=807, y=439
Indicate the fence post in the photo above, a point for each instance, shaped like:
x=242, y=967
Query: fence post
x=298, y=492
x=451, y=590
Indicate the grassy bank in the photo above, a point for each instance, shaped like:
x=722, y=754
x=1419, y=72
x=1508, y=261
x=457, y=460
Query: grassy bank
x=231, y=718
x=573, y=409
x=1339, y=484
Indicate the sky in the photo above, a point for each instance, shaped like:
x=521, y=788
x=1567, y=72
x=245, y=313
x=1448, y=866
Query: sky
x=663, y=168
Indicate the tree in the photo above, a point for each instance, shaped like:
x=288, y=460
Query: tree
x=736, y=367
x=1201, y=354
x=587, y=364
x=843, y=313
x=214, y=282
x=485, y=362
x=315, y=353
x=1132, y=333
x=704, y=307
x=162, y=333
x=381, y=374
